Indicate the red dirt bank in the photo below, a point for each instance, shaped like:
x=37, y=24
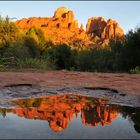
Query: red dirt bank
x=126, y=83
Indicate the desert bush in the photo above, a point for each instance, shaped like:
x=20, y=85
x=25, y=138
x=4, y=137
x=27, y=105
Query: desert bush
x=32, y=46
x=136, y=70
x=84, y=61
x=33, y=63
x=38, y=36
x=17, y=51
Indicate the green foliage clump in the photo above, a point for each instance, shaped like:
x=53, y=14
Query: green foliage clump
x=136, y=70
x=61, y=56
x=33, y=63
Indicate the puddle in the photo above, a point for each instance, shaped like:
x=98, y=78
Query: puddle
x=102, y=88
x=69, y=116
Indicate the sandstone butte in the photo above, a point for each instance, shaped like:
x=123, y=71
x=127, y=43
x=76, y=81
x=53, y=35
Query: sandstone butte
x=63, y=28
x=59, y=110
x=105, y=30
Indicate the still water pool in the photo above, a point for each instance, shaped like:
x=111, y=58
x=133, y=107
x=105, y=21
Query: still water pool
x=68, y=116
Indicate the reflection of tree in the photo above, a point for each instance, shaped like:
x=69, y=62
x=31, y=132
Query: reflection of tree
x=29, y=102
x=36, y=102
x=134, y=114
x=136, y=120
x=3, y=112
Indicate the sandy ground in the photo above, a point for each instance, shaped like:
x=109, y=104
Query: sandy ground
x=126, y=83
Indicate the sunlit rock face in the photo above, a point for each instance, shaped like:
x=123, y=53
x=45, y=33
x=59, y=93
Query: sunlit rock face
x=61, y=28
x=59, y=110
x=61, y=12
x=64, y=28
x=105, y=30
x=96, y=25
x=63, y=18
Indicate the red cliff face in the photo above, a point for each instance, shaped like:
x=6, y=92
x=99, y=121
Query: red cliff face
x=105, y=30
x=63, y=28
x=63, y=18
x=59, y=110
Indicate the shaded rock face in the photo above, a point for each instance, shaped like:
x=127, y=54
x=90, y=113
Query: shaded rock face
x=98, y=26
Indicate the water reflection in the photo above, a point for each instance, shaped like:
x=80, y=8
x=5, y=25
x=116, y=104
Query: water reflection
x=59, y=110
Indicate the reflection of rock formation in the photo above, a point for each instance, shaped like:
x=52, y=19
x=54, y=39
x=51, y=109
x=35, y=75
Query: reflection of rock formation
x=59, y=110
x=99, y=115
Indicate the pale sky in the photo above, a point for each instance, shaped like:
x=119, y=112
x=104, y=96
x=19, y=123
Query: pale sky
x=127, y=13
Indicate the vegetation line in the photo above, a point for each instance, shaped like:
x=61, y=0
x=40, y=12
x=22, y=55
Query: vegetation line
x=28, y=49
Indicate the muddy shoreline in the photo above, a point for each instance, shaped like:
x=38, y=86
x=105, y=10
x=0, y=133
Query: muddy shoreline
x=123, y=89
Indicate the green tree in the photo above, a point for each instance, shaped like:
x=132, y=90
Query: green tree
x=38, y=36
x=132, y=49
x=61, y=56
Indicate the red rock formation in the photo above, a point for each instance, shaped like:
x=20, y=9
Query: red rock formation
x=32, y=22
x=112, y=30
x=63, y=18
x=105, y=30
x=95, y=25
x=61, y=12
x=61, y=28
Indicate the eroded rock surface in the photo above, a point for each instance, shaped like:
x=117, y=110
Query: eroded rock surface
x=61, y=28
x=64, y=28
x=105, y=30
x=63, y=18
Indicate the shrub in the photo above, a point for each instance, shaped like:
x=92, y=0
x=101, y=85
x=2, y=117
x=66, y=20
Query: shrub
x=38, y=36
x=32, y=46
x=84, y=61
x=61, y=56
x=33, y=63
x=136, y=70
x=17, y=51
